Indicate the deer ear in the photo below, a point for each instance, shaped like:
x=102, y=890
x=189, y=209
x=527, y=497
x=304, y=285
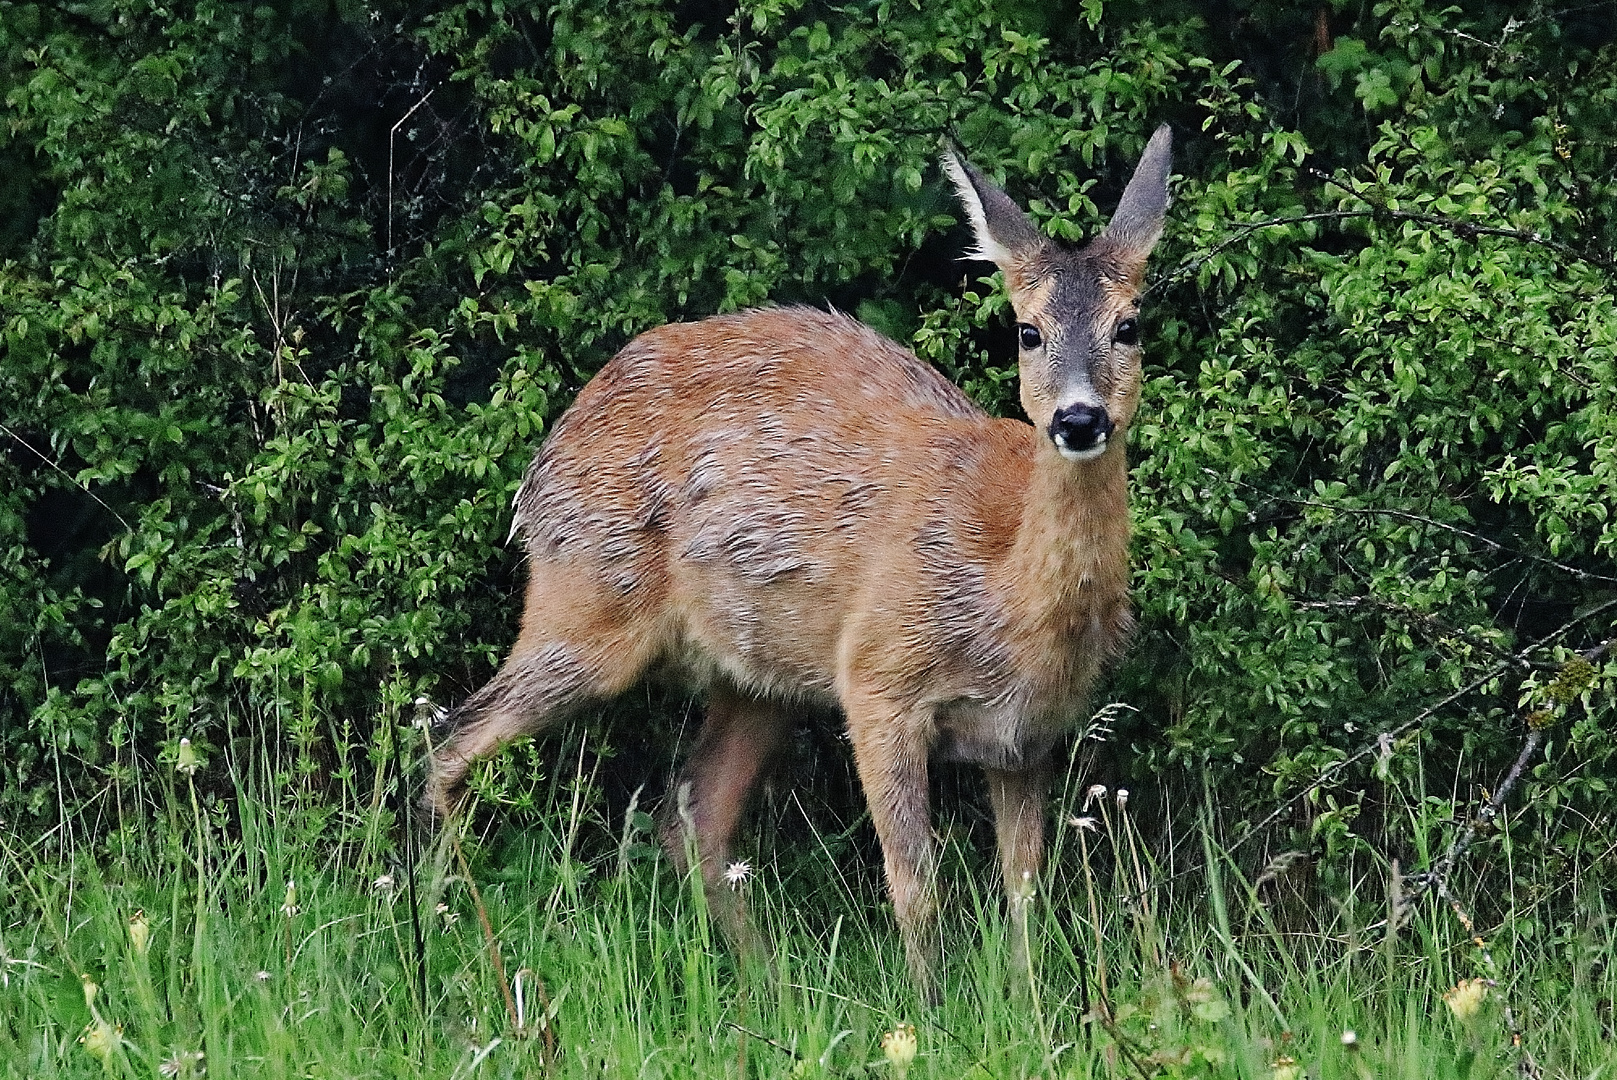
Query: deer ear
x=1004, y=234
x=1137, y=225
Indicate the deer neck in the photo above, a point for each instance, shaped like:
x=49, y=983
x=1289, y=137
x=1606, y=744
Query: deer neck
x=1069, y=565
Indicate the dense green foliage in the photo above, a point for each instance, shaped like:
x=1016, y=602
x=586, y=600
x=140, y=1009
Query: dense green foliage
x=290, y=293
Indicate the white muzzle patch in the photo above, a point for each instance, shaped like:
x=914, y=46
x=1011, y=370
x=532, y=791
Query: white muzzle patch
x=1080, y=455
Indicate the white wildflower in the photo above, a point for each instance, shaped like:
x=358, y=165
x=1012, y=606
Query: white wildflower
x=737, y=874
x=183, y=1063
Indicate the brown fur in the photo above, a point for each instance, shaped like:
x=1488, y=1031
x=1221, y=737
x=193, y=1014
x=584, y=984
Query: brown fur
x=788, y=508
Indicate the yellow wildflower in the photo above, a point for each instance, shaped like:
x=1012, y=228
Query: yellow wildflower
x=101, y=1039
x=1466, y=997
x=899, y=1046
x=140, y=933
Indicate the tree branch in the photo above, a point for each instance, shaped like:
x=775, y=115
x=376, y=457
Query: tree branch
x=1464, y=229
x=1399, y=730
x=1404, y=515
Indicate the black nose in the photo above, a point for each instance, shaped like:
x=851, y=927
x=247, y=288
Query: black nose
x=1080, y=427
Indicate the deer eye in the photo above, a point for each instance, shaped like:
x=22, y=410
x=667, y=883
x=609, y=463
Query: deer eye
x=1029, y=335
x=1127, y=332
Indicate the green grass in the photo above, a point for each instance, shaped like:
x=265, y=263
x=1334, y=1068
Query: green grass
x=614, y=971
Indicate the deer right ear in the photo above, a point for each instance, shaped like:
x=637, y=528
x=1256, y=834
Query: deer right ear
x=1004, y=234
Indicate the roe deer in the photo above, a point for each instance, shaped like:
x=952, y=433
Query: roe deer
x=785, y=507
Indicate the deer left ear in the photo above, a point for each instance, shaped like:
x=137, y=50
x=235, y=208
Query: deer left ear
x=1137, y=225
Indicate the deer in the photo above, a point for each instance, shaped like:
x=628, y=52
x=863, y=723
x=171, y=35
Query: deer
x=788, y=510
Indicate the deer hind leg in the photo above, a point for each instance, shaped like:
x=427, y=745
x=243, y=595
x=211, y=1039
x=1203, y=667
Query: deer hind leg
x=739, y=737
x=891, y=757
x=578, y=644
x=1018, y=797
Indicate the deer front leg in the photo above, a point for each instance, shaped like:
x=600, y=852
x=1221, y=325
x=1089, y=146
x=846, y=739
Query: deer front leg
x=1018, y=797
x=892, y=761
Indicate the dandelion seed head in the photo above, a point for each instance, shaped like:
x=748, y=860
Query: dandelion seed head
x=737, y=874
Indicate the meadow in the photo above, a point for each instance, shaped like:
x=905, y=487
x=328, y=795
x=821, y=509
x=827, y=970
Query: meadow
x=217, y=938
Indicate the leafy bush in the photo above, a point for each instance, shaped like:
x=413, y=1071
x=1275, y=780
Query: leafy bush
x=290, y=294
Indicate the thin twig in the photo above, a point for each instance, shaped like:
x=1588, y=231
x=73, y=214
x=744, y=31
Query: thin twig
x=70, y=477
x=1437, y=876
x=1242, y=231
x=1433, y=624
x=1468, y=231
x=1123, y=1043
x=1419, y=519
x=1464, y=229
x=1528, y=1065
x=392, y=133
x=782, y=1047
